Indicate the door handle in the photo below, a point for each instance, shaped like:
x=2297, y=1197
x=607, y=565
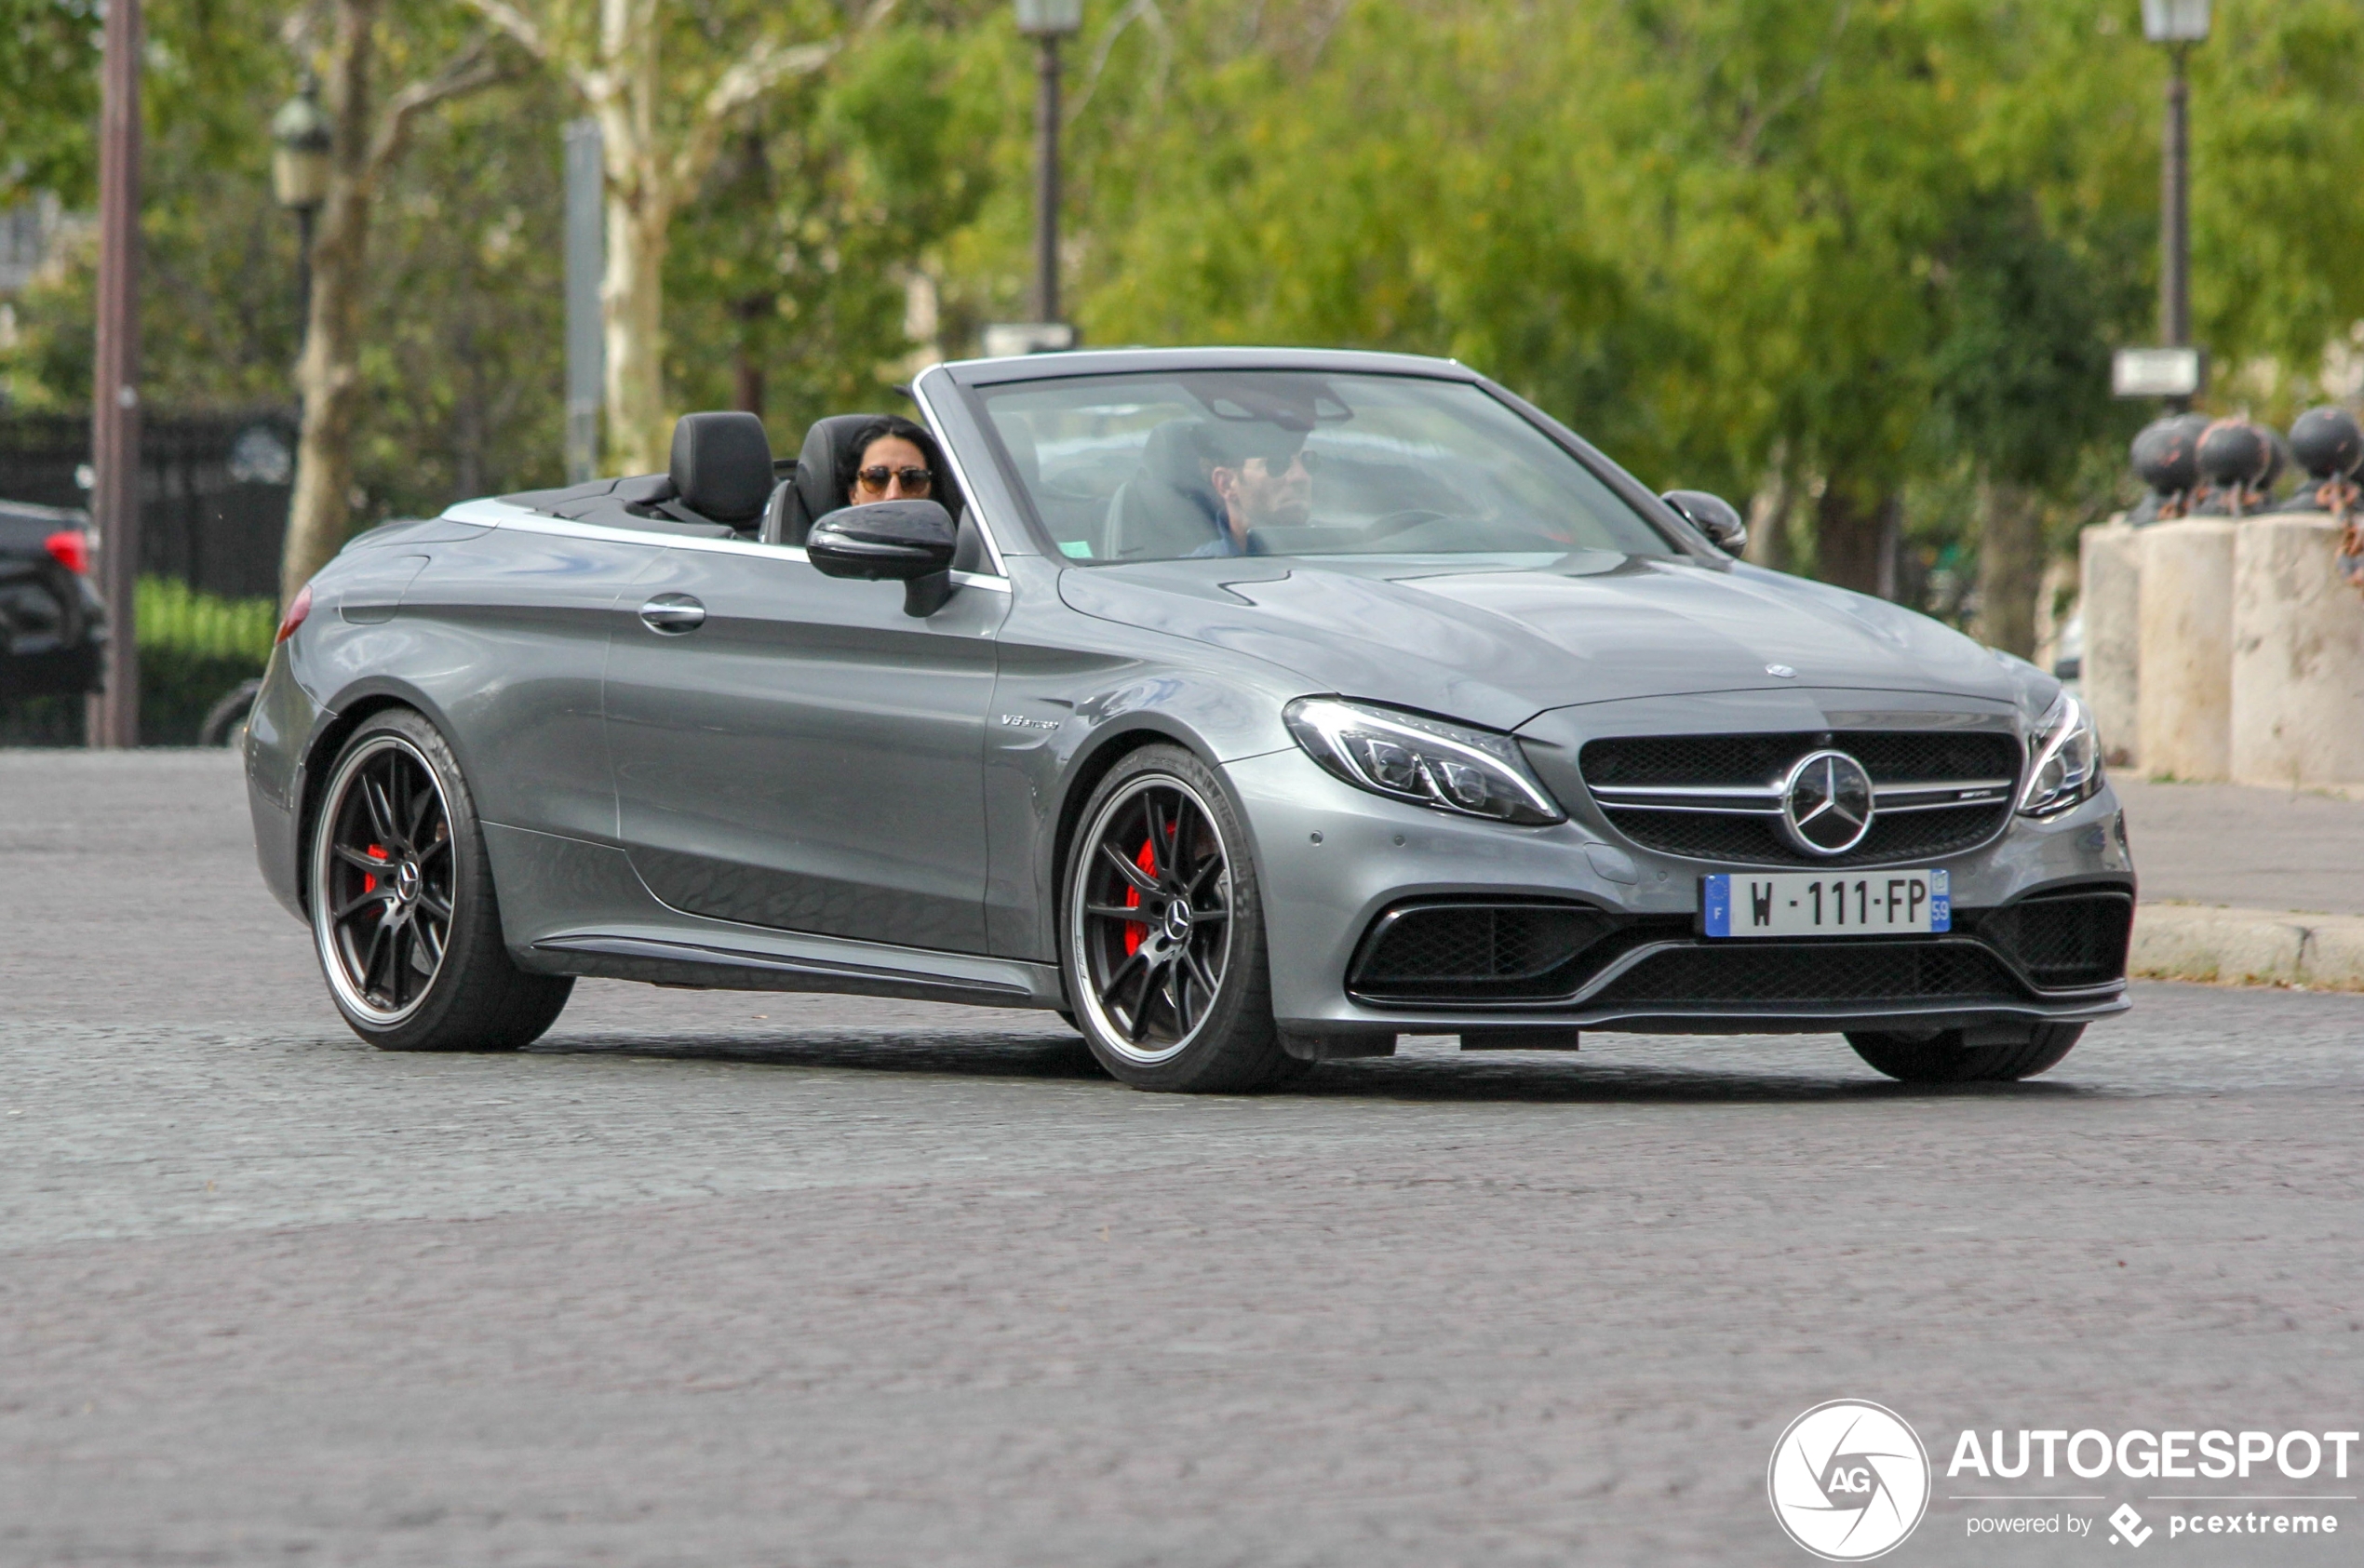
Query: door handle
x=673, y=615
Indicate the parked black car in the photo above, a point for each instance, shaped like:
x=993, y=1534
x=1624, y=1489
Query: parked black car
x=53, y=628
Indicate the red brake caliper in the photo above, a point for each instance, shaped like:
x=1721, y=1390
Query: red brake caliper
x=1134, y=930
x=369, y=878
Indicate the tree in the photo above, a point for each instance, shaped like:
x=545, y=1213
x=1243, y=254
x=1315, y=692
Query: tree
x=790, y=286
x=665, y=80
x=367, y=142
x=48, y=97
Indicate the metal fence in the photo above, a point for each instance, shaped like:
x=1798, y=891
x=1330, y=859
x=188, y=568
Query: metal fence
x=214, y=488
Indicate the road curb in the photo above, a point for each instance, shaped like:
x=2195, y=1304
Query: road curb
x=2247, y=946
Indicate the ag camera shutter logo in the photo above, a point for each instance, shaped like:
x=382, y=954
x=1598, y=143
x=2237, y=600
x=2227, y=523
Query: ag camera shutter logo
x=1848, y=1480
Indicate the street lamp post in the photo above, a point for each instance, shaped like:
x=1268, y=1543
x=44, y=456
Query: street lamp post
x=2179, y=25
x=112, y=717
x=1047, y=23
x=300, y=147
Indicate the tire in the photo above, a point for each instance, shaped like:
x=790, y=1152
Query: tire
x=1942, y=1058
x=404, y=919
x=225, y=722
x=1177, y=1003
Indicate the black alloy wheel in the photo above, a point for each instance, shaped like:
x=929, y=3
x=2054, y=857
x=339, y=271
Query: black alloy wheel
x=403, y=916
x=1164, y=941
x=387, y=880
x=1941, y=1057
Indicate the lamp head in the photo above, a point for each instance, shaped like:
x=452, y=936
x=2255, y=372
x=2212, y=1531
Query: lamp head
x=2175, y=22
x=301, y=141
x=1050, y=19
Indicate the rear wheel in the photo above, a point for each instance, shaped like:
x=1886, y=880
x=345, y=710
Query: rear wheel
x=1942, y=1058
x=403, y=914
x=1163, y=932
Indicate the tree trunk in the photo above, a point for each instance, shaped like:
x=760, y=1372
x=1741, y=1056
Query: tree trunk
x=747, y=315
x=639, y=213
x=1768, y=516
x=1851, y=536
x=632, y=304
x=328, y=375
x=2010, y=566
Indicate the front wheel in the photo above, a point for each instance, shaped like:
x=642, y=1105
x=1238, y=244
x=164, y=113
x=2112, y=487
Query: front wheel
x=1942, y=1058
x=1163, y=932
x=403, y=914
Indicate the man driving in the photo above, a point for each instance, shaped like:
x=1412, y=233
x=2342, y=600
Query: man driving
x=1263, y=476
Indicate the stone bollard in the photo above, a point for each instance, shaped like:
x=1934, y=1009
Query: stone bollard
x=2298, y=656
x=2186, y=699
x=2109, y=598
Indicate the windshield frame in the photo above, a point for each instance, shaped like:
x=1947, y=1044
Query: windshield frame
x=1683, y=540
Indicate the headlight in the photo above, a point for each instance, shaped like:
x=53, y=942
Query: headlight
x=1405, y=757
x=2068, y=759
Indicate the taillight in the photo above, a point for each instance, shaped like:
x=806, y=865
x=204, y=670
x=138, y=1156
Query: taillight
x=70, y=547
x=296, y=611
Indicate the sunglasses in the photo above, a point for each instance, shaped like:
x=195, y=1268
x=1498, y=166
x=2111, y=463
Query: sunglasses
x=1276, y=467
x=877, y=479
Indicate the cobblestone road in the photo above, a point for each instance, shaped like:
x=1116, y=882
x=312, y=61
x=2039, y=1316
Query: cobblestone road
x=722, y=1280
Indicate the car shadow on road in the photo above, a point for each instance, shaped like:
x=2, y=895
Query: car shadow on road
x=1430, y=1076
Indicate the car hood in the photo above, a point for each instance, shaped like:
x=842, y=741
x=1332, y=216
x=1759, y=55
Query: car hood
x=1495, y=647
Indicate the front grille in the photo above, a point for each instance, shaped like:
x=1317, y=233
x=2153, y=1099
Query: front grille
x=1810, y=975
x=2064, y=939
x=1489, y=952
x=1893, y=759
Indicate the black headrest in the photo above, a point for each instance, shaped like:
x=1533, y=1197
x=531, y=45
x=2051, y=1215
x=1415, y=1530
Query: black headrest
x=722, y=466
x=826, y=454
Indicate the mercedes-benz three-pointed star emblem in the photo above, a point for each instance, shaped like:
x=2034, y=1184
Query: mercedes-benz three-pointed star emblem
x=1826, y=803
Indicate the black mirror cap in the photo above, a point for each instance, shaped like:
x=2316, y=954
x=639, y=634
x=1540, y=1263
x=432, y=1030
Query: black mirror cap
x=1714, y=516
x=891, y=540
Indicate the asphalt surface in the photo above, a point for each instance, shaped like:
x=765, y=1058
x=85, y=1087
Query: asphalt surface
x=714, y=1278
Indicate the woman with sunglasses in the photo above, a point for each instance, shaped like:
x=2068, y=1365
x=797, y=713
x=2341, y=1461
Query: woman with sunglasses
x=890, y=458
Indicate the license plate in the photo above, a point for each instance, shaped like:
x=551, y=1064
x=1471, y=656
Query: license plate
x=1811, y=903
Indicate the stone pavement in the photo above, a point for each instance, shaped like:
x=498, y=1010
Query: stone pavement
x=715, y=1279
x=827, y=1293
x=2254, y=849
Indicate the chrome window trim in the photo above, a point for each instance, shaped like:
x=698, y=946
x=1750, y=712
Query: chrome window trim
x=502, y=514
x=919, y=394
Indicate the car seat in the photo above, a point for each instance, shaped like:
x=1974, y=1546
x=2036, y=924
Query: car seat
x=1168, y=508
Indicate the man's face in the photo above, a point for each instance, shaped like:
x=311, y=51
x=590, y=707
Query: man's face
x=1266, y=492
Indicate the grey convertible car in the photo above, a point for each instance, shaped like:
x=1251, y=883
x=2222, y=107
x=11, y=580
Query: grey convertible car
x=1246, y=707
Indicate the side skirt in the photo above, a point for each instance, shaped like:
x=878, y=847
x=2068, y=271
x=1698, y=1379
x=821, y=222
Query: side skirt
x=666, y=962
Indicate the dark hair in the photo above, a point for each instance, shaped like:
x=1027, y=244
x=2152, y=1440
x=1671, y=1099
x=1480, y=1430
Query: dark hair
x=850, y=458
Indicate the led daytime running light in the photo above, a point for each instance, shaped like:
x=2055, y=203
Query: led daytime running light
x=2068, y=759
x=1425, y=761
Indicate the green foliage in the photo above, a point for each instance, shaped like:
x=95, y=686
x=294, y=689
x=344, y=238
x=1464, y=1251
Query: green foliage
x=796, y=262
x=48, y=94
x=1868, y=251
x=195, y=648
x=177, y=619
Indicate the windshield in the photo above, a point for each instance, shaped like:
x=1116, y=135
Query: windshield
x=1285, y=462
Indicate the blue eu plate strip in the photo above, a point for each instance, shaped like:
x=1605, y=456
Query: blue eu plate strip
x=1941, y=900
x=1715, y=901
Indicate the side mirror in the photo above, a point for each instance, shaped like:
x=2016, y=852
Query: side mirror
x=1712, y=516
x=905, y=541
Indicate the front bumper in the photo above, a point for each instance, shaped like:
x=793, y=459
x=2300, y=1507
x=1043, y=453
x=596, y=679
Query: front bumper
x=1333, y=860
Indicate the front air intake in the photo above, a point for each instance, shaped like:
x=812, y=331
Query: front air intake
x=1475, y=952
